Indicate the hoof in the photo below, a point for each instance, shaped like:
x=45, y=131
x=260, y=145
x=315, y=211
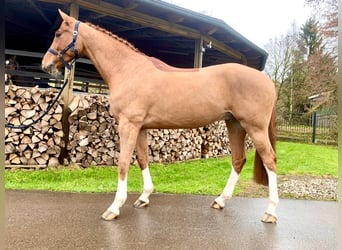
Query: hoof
x=269, y=218
x=108, y=215
x=140, y=204
x=215, y=205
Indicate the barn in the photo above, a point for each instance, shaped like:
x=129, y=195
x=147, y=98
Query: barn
x=178, y=36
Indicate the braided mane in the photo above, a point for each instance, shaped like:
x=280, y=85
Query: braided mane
x=156, y=62
x=121, y=40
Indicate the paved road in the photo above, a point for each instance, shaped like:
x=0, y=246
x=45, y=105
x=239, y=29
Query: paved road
x=49, y=220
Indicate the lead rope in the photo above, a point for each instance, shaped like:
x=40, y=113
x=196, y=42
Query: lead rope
x=10, y=125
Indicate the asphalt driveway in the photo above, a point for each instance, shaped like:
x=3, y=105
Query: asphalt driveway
x=50, y=220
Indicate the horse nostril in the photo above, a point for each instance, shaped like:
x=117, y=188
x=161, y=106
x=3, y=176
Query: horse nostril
x=47, y=68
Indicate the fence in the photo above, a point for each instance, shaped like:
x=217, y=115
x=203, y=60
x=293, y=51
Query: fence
x=310, y=128
x=29, y=73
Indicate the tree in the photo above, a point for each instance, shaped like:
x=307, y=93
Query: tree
x=301, y=67
x=311, y=40
x=280, y=61
x=326, y=11
x=319, y=66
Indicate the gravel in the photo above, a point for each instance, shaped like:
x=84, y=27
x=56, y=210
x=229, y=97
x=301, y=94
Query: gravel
x=298, y=187
x=308, y=187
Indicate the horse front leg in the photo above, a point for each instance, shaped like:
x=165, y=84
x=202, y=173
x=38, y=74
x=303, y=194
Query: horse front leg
x=142, y=151
x=128, y=133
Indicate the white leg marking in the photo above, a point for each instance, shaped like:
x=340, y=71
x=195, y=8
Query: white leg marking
x=148, y=185
x=228, y=190
x=273, y=192
x=120, y=197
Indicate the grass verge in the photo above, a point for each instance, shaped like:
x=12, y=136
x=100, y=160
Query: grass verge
x=192, y=177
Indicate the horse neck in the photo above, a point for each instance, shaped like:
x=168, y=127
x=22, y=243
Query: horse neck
x=113, y=59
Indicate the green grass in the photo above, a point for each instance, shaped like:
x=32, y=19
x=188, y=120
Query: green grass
x=191, y=177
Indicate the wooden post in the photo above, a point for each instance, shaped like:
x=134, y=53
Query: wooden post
x=198, y=53
x=68, y=94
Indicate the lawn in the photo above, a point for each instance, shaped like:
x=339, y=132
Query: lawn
x=191, y=177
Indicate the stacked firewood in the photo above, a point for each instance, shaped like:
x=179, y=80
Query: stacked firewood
x=40, y=144
x=169, y=145
x=93, y=136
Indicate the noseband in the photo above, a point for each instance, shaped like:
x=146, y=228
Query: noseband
x=70, y=46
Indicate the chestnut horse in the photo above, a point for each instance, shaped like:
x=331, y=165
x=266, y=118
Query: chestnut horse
x=146, y=93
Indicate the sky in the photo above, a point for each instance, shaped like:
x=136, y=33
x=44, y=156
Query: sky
x=257, y=20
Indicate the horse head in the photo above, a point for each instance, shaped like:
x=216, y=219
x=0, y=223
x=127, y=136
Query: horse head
x=11, y=64
x=63, y=50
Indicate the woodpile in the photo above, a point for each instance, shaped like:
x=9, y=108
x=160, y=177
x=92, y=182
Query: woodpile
x=40, y=144
x=93, y=133
x=93, y=136
x=169, y=145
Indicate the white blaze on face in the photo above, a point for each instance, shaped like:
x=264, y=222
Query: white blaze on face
x=7, y=63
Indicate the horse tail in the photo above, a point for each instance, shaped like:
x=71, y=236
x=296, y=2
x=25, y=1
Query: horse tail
x=260, y=174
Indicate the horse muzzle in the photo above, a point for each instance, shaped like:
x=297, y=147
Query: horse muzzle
x=49, y=68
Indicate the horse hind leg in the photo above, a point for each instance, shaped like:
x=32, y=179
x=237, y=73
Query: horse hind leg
x=237, y=137
x=266, y=152
x=142, y=151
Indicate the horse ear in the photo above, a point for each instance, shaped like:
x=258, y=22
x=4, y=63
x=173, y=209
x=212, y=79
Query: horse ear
x=63, y=15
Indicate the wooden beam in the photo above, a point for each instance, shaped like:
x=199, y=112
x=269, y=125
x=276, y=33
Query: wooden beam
x=38, y=55
x=212, y=30
x=198, y=53
x=157, y=23
x=130, y=4
x=220, y=46
x=174, y=18
x=40, y=12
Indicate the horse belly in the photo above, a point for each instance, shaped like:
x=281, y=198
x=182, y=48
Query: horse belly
x=184, y=116
x=188, y=102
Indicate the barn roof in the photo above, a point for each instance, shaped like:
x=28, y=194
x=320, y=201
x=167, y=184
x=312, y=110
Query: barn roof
x=157, y=28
